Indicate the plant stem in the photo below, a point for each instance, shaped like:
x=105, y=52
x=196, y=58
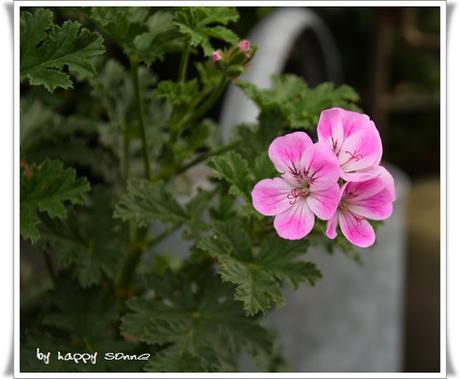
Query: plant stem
x=209, y=102
x=49, y=266
x=126, y=168
x=134, y=257
x=140, y=114
x=183, y=64
x=206, y=156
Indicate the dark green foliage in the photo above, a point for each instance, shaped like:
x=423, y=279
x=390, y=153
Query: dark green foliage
x=145, y=202
x=258, y=273
x=194, y=320
x=235, y=170
x=201, y=307
x=47, y=188
x=299, y=104
x=198, y=25
x=91, y=242
x=139, y=33
x=47, y=48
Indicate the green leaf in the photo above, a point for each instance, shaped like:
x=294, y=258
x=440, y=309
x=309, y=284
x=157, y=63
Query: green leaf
x=234, y=169
x=194, y=319
x=145, y=36
x=47, y=48
x=77, y=320
x=263, y=167
x=299, y=104
x=91, y=242
x=196, y=208
x=145, y=202
x=198, y=25
x=48, y=188
x=178, y=93
x=258, y=275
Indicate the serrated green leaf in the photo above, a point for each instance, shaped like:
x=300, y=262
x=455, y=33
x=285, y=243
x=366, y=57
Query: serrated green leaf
x=178, y=93
x=48, y=188
x=263, y=167
x=90, y=243
x=47, y=48
x=258, y=275
x=234, y=169
x=196, y=321
x=77, y=320
x=145, y=202
x=198, y=25
x=299, y=104
x=141, y=34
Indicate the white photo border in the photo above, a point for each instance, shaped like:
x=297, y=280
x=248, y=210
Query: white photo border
x=316, y=3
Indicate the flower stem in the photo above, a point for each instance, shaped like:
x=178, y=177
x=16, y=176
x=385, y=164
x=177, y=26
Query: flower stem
x=140, y=114
x=206, y=156
x=49, y=266
x=135, y=255
x=184, y=63
x=209, y=102
x=126, y=167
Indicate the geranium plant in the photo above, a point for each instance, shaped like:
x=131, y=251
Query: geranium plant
x=109, y=158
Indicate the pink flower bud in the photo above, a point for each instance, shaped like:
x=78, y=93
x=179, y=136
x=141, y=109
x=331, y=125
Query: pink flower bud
x=244, y=45
x=216, y=56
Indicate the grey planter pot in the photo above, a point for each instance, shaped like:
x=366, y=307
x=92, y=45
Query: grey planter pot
x=352, y=320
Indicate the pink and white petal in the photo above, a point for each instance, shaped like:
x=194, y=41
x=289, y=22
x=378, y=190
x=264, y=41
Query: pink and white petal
x=357, y=191
x=331, y=230
x=354, y=121
x=358, y=176
x=330, y=128
x=320, y=165
x=270, y=196
x=387, y=178
x=324, y=203
x=285, y=151
x=376, y=207
x=360, y=151
x=296, y=222
x=358, y=231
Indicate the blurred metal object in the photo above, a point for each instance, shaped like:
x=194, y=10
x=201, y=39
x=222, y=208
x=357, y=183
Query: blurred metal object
x=275, y=36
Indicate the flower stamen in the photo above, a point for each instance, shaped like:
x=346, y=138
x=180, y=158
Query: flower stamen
x=353, y=157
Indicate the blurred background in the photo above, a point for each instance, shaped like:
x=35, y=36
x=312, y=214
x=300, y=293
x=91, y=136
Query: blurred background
x=391, y=56
x=384, y=315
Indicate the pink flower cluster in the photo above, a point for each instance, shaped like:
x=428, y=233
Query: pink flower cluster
x=348, y=152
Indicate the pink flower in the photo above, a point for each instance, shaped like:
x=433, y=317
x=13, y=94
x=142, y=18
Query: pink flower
x=244, y=45
x=216, y=56
x=307, y=186
x=370, y=199
x=355, y=141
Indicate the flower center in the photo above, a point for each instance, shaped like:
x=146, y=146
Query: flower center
x=297, y=192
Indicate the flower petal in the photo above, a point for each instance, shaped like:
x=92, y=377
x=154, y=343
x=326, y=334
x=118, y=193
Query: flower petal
x=330, y=128
x=270, y=196
x=377, y=171
x=337, y=124
x=331, y=230
x=358, y=231
x=360, y=151
x=296, y=222
x=285, y=151
x=387, y=178
x=320, y=165
x=357, y=191
x=324, y=203
x=376, y=207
